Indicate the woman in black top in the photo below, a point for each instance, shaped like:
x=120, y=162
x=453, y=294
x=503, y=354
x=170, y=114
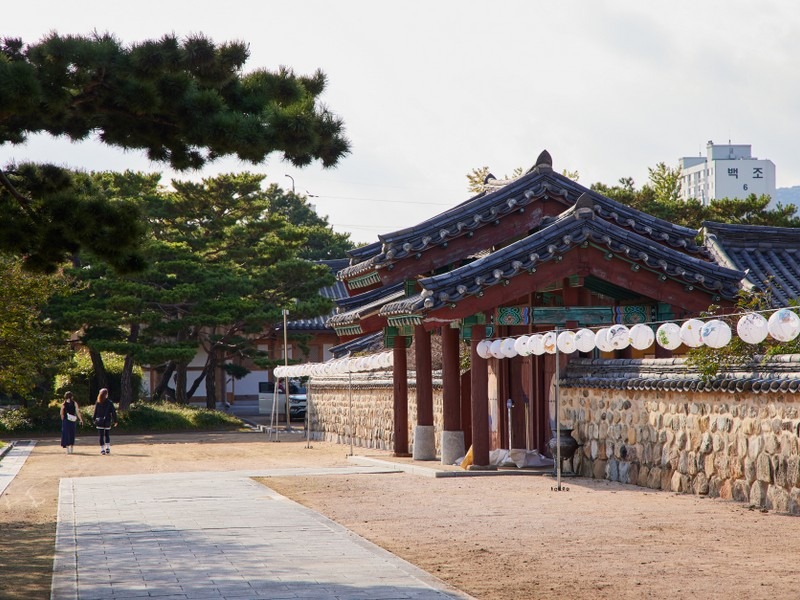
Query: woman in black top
x=70, y=416
x=105, y=417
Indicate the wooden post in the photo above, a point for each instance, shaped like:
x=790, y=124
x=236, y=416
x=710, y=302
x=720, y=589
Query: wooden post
x=422, y=345
x=453, y=435
x=424, y=433
x=480, y=402
x=400, y=377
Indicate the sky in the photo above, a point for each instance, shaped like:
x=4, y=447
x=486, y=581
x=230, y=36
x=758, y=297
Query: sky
x=430, y=90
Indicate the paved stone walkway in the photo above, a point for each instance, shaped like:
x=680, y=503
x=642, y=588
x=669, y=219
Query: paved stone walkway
x=12, y=462
x=217, y=535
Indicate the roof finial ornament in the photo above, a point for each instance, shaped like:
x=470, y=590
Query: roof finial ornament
x=488, y=178
x=543, y=163
x=584, y=207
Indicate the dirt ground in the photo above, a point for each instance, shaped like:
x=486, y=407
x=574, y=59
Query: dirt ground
x=498, y=537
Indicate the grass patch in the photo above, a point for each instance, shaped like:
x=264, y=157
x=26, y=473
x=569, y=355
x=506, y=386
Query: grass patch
x=142, y=417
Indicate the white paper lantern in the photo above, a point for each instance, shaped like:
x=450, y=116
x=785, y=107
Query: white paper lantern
x=566, y=342
x=618, y=336
x=507, y=348
x=641, y=336
x=584, y=340
x=495, y=348
x=690, y=333
x=752, y=328
x=549, y=342
x=715, y=333
x=668, y=336
x=784, y=325
x=601, y=340
x=521, y=345
x=536, y=344
x=484, y=349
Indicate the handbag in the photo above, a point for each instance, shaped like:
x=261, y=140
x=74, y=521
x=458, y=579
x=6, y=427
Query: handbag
x=71, y=417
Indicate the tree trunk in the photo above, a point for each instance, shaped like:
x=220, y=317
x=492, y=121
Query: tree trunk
x=100, y=376
x=196, y=384
x=126, y=384
x=180, y=384
x=126, y=393
x=211, y=379
x=163, y=383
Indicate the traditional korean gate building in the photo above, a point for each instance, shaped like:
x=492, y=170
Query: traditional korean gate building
x=523, y=256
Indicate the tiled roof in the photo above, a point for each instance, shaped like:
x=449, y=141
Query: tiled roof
x=769, y=256
x=538, y=183
x=356, y=314
x=370, y=342
x=774, y=374
x=575, y=226
x=334, y=292
x=351, y=302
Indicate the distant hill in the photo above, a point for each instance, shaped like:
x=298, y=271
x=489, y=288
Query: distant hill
x=786, y=196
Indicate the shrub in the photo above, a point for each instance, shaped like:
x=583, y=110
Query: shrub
x=142, y=417
x=79, y=377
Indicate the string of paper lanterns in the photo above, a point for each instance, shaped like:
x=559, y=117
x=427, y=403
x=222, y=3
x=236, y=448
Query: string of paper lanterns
x=783, y=325
x=339, y=366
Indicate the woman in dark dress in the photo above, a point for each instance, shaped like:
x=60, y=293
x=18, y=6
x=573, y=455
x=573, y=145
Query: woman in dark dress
x=70, y=417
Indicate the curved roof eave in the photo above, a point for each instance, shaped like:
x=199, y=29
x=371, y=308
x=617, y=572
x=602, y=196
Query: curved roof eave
x=577, y=225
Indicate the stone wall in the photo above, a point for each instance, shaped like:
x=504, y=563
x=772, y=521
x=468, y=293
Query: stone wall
x=371, y=413
x=739, y=446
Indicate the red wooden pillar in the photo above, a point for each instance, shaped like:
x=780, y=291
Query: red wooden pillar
x=424, y=433
x=400, y=377
x=453, y=443
x=480, y=401
x=424, y=368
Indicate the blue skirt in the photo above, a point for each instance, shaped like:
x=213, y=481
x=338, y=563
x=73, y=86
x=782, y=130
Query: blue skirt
x=67, y=433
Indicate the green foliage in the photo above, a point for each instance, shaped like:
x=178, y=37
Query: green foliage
x=164, y=417
x=711, y=362
x=661, y=198
x=141, y=418
x=77, y=377
x=183, y=102
x=29, y=346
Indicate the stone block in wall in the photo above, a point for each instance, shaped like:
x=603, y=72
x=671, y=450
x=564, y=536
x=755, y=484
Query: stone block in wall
x=612, y=469
x=599, y=469
x=683, y=462
x=643, y=475
x=624, y=471
x=721, y=465
x=666, y=478
x=741, y=444
x=735, y=467
x=706, y=444
x=585, y=468
x=793, y=471
x=700, y=484
x=758, y=493
x=749, y=470
x=794, y=500
x=740, y=490
x=771, y=443
x=764, y=471
x=715, y=486
x=678, y=483
x=778, y=499
x=780, y=471
x=708, y=465
x=654, y=478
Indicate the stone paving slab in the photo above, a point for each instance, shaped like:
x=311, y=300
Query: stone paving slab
x=12, y=461
x=217, y=536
